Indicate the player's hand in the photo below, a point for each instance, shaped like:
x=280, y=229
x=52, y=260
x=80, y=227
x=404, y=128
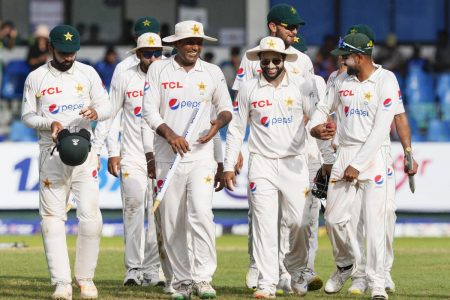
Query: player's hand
x=326, y=169
x=114, y=165
x=211, y=133
x=239, y=164
x=219, y=181
x=89, y=113
x=414, y=169
x=350, y=174
x=178, y=144
x=55, y=128
x=230, y=180
x=324, y=131
x=151, y=169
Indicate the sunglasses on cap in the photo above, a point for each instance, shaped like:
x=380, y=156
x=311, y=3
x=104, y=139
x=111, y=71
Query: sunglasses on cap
x=344, y=46
x=289, y=27
x=149, y=53
x=275, y=61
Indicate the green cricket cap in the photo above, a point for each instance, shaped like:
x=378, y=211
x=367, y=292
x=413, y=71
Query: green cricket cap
x=65, y=38
x=284, y=14
x=354, y=43
x=364, y=29
x=146, y=24
x=300, y=43
x=73, y=147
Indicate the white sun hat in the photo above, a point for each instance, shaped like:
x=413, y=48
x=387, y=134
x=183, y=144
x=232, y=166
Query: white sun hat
x=188, y=29
x=149, y=40
x=270, y=44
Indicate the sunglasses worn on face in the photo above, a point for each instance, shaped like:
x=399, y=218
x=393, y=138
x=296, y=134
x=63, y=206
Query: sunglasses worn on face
x=150, y=53
x=344, y=46
x=275, y=61
x=289, y=27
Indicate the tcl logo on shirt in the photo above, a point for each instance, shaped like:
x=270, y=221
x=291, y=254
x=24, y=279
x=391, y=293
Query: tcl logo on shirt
x=135, y=94
x=51, y=91
x=261, y=103
x=346, y=93
x=266, y=121
x=171, y=85
x=54, y=109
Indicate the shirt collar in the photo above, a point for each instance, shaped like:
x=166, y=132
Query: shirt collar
x=198, y=64
x=141, y=74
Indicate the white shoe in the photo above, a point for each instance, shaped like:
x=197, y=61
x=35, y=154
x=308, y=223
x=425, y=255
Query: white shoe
x=183, y=292
x=337, y=280
x=358, y=287
x=152, y=280
x=299, y=286
x=379, y=294
x=263, y=294
x=314, y=281
x=204, y=290
x=168, y=288
x=63, y=291
x=284, y=286
x=251, y=279
x=88, y=289
x=133, y=277
x=389, y=284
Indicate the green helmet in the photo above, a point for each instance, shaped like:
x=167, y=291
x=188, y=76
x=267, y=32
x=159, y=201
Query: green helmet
x=73, y=147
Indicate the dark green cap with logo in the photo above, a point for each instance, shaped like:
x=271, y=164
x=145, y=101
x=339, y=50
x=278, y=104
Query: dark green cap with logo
x=65, y=38
x=73, y=147
x=146, y=24
x=354, y=43
x=300, y=43
x=285, y=15
x=364, y=29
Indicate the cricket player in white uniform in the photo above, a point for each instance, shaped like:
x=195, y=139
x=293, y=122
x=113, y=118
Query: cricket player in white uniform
x=283, y=21
x=178, y=86
x=359, y=282
x=364, y=122
x=66, y=94
x=127, y=93
x=274, y=104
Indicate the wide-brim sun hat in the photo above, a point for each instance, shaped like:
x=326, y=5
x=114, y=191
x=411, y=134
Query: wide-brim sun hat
x=271, y=44
x=149, y=40
x=188, y=29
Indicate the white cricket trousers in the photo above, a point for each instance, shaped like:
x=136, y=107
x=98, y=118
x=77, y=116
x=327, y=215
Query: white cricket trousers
x=391, y=218
x=187, y=222
x=56, y=181
x=342, y=197
x=278, y=183
x=135, y=186
x=311, y=216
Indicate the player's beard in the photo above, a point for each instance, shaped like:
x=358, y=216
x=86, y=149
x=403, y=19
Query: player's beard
x=352, y=71
x=61, y=66
x=272, y=77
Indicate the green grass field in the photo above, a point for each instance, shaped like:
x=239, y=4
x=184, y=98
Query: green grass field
x=421, y=270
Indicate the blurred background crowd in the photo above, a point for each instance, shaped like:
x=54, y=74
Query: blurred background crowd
x=422, y=65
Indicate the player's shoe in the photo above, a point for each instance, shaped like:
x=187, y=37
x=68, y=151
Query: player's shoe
x=263, y=294
x=337, y=280
x=299, y=286
x=284, y=286
x=168, y=288
x=183, y=292
x=152, y=280
x=314, y=281
x=358, y=287
x=389, y=284
x=133, y=277
x=204, y=290
x=88, y=289
x=379, y=294
x=251, y=279
x=63, y=291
